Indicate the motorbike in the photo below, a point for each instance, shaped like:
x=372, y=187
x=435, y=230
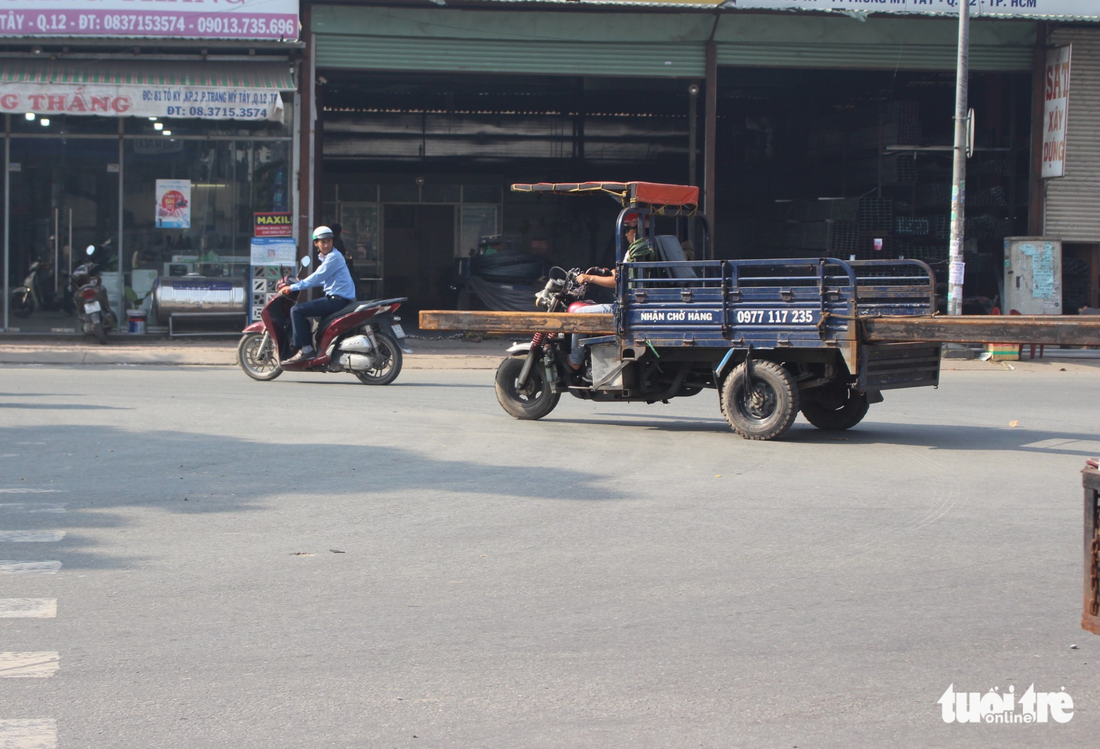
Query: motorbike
x=35, y=293
x=93, y=312
x=361, y=339
x=527, y=381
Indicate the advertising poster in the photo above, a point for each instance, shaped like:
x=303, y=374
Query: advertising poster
x=173, y=204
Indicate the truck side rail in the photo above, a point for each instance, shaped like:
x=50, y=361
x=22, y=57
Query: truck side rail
x=764, y=303
x=894, y=287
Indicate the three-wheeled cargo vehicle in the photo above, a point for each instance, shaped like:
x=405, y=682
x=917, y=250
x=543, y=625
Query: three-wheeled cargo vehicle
x=774, y=337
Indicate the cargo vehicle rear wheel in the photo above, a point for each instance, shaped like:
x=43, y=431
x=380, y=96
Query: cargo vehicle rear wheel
x=765, y=409
x=836, y=408
x=534, y=400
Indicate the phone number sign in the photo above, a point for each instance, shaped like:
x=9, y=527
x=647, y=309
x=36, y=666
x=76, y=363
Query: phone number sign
x=198, y=19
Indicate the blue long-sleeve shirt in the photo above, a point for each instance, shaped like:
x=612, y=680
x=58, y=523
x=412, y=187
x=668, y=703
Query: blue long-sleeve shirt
x=332, y=274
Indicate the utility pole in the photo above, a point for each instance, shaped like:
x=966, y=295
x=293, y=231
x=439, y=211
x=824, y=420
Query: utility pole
x=957, y=266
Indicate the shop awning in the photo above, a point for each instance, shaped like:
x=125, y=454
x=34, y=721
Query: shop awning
x=114, y=88
x=268, y=75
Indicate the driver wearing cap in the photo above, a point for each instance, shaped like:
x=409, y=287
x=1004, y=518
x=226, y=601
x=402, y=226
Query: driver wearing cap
x=332, y=274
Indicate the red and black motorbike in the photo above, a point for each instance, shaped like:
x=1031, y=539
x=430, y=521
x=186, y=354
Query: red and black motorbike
x=361, y=339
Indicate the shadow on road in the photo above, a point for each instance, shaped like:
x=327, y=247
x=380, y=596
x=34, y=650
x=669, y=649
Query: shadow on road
x=97, y=471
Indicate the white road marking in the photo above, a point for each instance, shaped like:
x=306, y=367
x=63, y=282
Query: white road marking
x=29, y=665
x=31, y=537
x=51, y=507
x=28, y=734
x=28, y=608
x=22, y=490
x=13, y=567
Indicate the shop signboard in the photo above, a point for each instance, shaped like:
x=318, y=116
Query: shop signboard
x=141, y=100
x=1082, y=9
x=272, y=225
x=1056, y=111
x=275, y=20
x=978, y=8
x=173, y=209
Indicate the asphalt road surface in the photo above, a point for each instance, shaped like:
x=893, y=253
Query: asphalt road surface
x=190, y=559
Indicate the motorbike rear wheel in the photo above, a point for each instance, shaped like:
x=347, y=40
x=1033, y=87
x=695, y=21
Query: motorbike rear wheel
x=22, y=303
x=534, y=400
x=100, y=333
x=389, y=365
x=256, y=355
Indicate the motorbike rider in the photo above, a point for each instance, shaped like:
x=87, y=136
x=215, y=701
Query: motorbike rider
x=332, y=274
x=638, y=249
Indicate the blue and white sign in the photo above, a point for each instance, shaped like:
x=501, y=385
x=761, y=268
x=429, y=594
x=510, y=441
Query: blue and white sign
x=273, y=251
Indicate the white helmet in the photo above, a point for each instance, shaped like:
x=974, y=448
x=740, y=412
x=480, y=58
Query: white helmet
x=321, y=232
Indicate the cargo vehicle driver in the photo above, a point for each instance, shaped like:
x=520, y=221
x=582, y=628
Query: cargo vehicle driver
x=332, y=274
x=637, y=250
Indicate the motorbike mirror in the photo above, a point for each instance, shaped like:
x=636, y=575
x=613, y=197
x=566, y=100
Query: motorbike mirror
x=90, y=250
x=306, y=261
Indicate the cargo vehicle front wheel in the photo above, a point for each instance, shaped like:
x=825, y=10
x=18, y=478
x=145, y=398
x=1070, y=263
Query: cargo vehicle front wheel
x=764, y=408
x=534, y=400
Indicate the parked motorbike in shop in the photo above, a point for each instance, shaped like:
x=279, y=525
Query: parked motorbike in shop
x=93, y=312
x=361, y=339
x=37, y=293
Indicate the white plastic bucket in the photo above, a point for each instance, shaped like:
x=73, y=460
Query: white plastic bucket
x=135, y=318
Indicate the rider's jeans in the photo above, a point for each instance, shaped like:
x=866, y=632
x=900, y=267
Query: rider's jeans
x=576, y=353
x=300, y=314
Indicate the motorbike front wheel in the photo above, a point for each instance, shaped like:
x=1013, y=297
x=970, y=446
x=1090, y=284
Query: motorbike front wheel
x=22, y=303
x=534, y=400
x=256, y=355
x=389, y=362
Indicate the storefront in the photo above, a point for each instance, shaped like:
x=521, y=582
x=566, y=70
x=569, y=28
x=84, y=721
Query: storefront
x=811, y=132
x=1071, y=195
x=156, y=151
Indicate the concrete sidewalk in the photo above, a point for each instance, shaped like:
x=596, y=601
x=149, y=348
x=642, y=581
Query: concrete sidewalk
x=428, y=352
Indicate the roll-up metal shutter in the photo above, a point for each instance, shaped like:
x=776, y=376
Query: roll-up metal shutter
x=641, y=44
x=1073, y=201
x=677, y=60
x=873, y=56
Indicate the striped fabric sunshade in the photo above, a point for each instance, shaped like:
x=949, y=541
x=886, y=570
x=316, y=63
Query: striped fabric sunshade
x=273, y=76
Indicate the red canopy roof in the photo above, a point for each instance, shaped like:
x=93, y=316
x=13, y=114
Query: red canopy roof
x=628, y=193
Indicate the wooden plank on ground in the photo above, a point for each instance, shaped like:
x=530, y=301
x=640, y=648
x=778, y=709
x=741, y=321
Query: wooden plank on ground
x=516, y=322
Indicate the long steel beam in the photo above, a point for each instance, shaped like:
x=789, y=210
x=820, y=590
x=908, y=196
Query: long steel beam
x=516, y=322
x=1067, y=330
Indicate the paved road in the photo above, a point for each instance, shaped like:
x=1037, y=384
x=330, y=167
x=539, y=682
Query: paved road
x=315, y=563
